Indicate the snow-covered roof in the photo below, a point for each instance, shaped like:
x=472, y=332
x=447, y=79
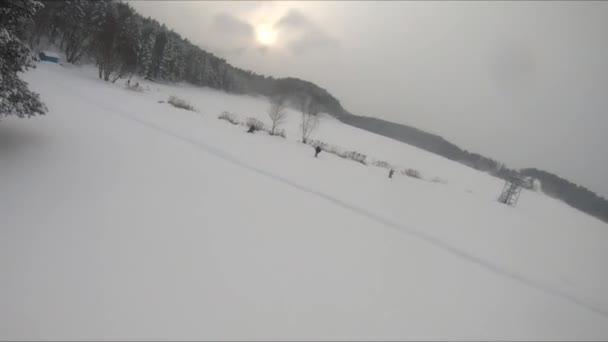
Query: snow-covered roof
x=50, y=54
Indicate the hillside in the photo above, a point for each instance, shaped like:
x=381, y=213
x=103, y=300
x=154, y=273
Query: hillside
x=574, y=195
x=126, y=218
x=122, y=43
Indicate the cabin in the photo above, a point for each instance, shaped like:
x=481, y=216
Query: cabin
x=49, y=57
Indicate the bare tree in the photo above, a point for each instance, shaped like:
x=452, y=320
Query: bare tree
x=276, y=111
x=309, y=110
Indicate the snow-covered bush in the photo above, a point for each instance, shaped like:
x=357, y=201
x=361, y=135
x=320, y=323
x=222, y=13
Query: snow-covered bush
x=382, y=164
x=277, y=133
x=315, y=143
x=412, y=173
x=340, y=152
x=180, y=103
x=359, y=157
x=230, y=117
x=135, y=87
x=256, y=124
x=438, y=180
x=251, y=122
x=353, y=155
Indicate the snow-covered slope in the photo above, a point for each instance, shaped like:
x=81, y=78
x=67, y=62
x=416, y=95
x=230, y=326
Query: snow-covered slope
x=125, y=218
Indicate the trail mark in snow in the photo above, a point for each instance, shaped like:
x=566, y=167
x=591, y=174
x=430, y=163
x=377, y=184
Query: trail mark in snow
x=360, y=211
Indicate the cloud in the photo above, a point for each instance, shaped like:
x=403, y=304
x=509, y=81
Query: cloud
x=230, y=25
x=298, y=33
x=302, y=34
x=234, y=36
x=514, y=66
x=294, y=19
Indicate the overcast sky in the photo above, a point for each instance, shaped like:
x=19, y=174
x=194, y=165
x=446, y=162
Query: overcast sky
x=525, y=82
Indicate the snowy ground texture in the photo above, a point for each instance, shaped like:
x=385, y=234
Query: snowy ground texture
x=125, y=218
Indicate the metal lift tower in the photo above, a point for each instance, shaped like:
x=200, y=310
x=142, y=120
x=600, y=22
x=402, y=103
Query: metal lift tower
x=511, y=190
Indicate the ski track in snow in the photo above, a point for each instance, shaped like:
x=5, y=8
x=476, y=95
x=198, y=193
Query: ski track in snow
x=416, y=233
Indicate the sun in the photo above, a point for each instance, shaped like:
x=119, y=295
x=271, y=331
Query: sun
x=265, y=35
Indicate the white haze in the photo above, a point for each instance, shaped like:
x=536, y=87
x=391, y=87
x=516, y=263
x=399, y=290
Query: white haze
x=521, y=82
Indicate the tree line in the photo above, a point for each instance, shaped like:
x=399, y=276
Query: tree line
x=574, y=195
x=122, y=43
x=15, y=57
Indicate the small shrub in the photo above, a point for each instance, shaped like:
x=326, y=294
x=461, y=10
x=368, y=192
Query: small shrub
x=180, y=103
x=382, y=164
x=256, y=124
x=230, y=117
x=278, y=133
x=438, y=180
x=353, y=155
x=412, y=173
x=359, y=157
x=135, y=87
x=315, y=143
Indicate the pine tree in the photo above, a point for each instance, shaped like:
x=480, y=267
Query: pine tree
x=116, y=37
x=101, y=23
x=146, y=45
x=189, y=65
x=160, y=42
x=42, y=24
x=166, y=61
x=77, y=33
x=179, y=67
x=126, y=48
x=197, y=67
x=208, y=74
x=15, y=97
